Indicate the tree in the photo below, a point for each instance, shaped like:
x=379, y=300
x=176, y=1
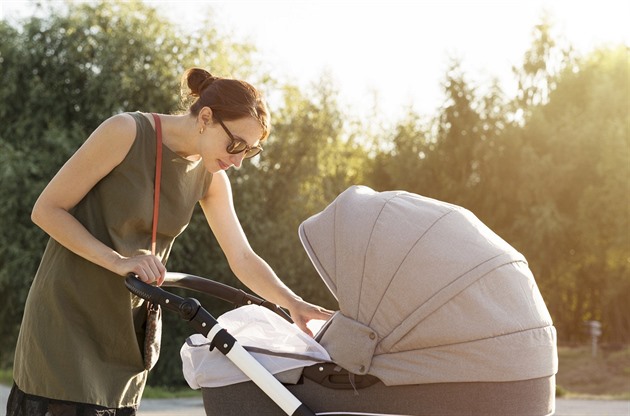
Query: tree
x=452, y=155
x=583, y=134
x=401, y=166
x=548, y=172
x=567, y=171
x=543, y=61
x=307, y=162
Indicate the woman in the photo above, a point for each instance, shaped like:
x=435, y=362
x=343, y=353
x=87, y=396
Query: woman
x=79, y=348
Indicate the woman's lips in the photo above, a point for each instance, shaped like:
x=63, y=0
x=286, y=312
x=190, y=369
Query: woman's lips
x=223, y=165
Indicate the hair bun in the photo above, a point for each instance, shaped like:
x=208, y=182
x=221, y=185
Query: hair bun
x=198, y=79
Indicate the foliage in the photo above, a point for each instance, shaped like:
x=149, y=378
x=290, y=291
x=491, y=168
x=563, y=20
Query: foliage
x=307, y=162
x=547, y=170
x=578, y=145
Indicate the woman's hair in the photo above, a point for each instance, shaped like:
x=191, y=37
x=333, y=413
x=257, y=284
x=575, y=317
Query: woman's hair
x=229, y=99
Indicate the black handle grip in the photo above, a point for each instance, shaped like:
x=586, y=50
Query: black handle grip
x=139, y=288
x=154, y=294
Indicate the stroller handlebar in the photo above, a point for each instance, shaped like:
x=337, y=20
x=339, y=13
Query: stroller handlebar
x=235, y=296
x=218, y=290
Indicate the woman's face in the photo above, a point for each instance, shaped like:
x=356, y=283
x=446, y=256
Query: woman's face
x=215, y=140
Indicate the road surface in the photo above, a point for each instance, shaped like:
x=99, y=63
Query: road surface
x=194, y=407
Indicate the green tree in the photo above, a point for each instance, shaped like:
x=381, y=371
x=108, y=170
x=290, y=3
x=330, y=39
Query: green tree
x=403, y=165
x=450, y=156
x=565, y=170
x=543, y=61
x=548, y=172
x=579, y=144
x=308, y=160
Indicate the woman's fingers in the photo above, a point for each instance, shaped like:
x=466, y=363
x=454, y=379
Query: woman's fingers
x=161, y=274
x=305, y=312
x=148, y=268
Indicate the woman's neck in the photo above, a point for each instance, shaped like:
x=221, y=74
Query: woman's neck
x=179, y=134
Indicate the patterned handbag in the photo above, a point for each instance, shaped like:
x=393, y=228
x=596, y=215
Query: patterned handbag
x=152, y=335
x=153, y=328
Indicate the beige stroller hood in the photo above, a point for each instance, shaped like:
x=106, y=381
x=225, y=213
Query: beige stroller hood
x=427, y=293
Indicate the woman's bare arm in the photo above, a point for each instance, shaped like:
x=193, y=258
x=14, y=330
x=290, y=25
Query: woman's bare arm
x=106, y=147
x=250, y=268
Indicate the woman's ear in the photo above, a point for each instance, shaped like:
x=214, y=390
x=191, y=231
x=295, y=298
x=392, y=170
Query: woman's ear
x=205, y=117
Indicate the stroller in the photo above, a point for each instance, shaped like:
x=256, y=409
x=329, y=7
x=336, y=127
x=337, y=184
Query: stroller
x=437, y=316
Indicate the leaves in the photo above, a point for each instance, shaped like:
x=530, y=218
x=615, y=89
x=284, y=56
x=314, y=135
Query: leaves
x=548, y=171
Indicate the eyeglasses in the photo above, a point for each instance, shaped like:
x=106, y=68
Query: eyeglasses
x=237, y=146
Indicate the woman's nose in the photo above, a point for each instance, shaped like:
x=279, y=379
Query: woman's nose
x=237, y=159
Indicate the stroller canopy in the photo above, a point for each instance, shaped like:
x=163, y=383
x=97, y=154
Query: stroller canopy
x=427, y=293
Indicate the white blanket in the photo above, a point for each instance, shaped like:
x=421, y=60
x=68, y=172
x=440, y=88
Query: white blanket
x=278, y=345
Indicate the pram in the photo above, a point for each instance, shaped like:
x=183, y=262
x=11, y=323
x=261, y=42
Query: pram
x=437, y=316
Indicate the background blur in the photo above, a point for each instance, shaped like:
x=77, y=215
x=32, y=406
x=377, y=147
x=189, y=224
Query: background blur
x=539, y=150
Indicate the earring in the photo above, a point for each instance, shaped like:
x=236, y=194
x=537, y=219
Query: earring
x=201, y=130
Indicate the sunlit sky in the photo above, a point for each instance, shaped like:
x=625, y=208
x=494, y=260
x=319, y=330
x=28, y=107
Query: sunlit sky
x=398, y=51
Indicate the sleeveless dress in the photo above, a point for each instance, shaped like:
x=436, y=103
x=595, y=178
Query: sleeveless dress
x=82, y=332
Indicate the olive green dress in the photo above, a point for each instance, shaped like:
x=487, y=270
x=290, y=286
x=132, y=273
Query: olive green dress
x=82, y=330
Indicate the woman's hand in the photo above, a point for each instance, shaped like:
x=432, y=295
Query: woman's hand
x=147, y=267
x=302, y=312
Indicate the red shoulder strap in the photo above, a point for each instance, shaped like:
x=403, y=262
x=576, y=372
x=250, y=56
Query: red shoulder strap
x=158, y=175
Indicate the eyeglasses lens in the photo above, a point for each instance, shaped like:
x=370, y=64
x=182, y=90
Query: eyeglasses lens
x=237, y=146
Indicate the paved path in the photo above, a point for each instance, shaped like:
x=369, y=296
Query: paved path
x=194, y=407
x=574, y=407
x=564, y=407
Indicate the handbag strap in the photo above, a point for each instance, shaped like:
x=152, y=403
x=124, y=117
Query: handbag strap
x=158, y=176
